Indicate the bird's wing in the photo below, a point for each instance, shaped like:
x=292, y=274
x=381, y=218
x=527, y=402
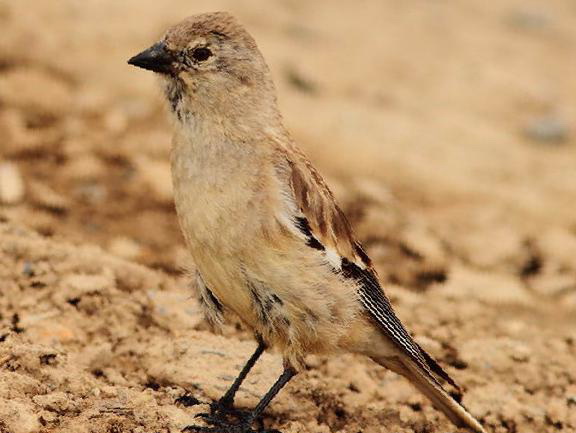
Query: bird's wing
x=326, y=228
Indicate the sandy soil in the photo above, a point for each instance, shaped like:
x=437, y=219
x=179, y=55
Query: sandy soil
x=447, y=132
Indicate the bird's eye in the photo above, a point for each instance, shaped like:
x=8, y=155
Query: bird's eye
x=201, y=54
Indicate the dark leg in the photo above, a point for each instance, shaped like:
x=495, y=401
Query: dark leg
x=220, y=409
x=245, y=425
x=227, y=401
x=284, y=378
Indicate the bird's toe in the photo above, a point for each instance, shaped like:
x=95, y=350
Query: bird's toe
x=225, y=428
x=187, y=400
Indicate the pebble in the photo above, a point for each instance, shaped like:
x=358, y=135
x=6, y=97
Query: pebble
x=529, y=19
x=28, y=269
x=547, y=129
x=11, y=184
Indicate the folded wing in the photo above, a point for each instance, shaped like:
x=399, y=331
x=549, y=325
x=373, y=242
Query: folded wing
x=326, y=228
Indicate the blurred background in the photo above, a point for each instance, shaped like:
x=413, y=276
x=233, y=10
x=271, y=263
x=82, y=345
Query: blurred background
x=445, y=128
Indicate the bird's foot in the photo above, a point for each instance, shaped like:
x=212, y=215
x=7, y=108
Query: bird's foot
x=226, y=428
x=222, y=427
x=223, y=418
x=222, y=410
x=219, y=410
x=187, y=400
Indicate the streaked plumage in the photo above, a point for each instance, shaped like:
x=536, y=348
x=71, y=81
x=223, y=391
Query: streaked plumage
x=269, y=241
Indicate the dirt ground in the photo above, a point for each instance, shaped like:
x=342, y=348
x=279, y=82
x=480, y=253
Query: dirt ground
x=446, y=130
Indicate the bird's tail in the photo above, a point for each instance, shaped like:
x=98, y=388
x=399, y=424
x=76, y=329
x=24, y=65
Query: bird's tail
x=431, y=388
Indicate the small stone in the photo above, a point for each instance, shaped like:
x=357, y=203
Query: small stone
x=528, y=19
x=11, y=184
x=547, y=129
x=28, y=269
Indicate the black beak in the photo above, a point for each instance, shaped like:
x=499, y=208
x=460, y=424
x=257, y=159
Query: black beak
x=157, y=58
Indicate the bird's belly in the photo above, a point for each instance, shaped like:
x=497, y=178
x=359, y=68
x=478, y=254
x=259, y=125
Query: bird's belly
x=295, y=303
x=223, y=276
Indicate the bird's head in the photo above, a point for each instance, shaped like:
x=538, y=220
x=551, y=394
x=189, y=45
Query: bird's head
x=208, y=62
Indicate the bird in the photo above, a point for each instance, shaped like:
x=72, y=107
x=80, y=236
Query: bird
x=269, y=242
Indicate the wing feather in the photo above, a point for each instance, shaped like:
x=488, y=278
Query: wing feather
x=326, y=227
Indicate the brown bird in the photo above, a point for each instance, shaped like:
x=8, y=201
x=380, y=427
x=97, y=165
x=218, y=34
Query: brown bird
x=269, y=242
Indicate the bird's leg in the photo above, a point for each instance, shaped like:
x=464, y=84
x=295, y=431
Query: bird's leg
x=226, y=403
x=245, y=424
x=287, y=374
x=221, y=409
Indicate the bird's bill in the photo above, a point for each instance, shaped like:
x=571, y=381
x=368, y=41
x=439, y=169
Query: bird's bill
x=157, y=58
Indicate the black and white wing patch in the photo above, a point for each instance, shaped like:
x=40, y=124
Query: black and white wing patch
x=380, y=310
x=326, y=229
x=377, y=304
x=303, y=225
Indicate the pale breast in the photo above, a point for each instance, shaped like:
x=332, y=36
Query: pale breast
x=222, y=201
x=217, y=192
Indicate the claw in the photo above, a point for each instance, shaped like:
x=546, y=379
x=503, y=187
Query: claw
x=225, y=428
x=187, y=400
x=219, y=420
x=212, y=420
x=202, y=429
x=191, y=428
x=220, y=409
